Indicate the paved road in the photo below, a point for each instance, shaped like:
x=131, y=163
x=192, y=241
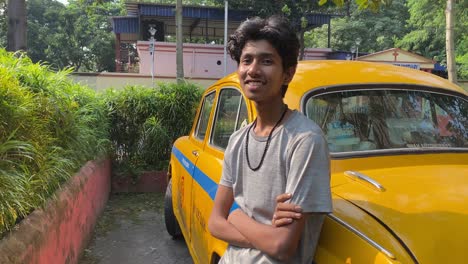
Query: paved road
x=132, y=230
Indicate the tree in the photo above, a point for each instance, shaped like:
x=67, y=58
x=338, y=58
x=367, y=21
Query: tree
x=425, y=13
x=427, y=26
x=295, y=11
x=373, y=5
x=46, y=31
x=298, y=11
x=77, y=35
x=16, y=38
x=449, y=41
x=377, y=31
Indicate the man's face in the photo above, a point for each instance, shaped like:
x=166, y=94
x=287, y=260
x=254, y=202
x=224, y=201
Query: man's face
x=261, y=72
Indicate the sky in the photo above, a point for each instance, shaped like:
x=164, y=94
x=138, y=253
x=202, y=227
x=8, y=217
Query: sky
x=63, y=1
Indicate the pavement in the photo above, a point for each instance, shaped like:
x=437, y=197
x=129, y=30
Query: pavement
x=132, y=230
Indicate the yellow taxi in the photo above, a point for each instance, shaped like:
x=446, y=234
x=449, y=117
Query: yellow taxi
x=398, y=141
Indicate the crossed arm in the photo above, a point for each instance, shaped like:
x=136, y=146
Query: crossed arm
x=278, y=240
x=219, y=226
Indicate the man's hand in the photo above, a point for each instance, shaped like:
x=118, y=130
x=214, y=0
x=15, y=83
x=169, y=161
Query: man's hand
x=285, y=213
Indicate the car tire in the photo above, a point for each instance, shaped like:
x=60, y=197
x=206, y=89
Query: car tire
x=172, y=226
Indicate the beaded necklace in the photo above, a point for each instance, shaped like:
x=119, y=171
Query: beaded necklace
x=267, y=143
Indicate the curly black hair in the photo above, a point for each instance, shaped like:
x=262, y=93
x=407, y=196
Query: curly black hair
x=276, y=30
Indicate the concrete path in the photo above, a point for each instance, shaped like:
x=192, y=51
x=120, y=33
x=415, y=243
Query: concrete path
x=132, y=230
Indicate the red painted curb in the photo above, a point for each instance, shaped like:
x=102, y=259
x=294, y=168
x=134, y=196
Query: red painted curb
x=60, y=232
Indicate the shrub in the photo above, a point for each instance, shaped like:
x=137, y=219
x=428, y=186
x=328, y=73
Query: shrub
x=49, y=127
x=146, y=121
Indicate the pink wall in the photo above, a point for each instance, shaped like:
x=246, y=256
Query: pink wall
x=316, y=53
x=200, y=60
x=60, y=232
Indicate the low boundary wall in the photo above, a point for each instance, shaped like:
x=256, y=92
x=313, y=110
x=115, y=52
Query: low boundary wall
x=61, y=231
x=116, y=80
x=148, y=181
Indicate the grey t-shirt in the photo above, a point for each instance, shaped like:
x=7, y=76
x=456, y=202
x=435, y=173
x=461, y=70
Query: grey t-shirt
x=297, y=162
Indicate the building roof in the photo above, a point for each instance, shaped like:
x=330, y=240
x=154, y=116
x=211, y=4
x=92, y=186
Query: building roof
x=199, y=20
x=400, y=57
x=378, y=55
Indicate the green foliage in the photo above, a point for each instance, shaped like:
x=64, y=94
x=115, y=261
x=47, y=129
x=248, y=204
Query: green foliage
x=373, y=5
x=49, y=127
x=378, y=31
x=462, y=58
x=295, y=11
x=427, y=31
x=77, y=35
x=427, y=28
x=146, y=121
x=414, y=25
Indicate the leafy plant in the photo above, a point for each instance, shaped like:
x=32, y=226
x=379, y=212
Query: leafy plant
x=49, y=127
x=146, y=121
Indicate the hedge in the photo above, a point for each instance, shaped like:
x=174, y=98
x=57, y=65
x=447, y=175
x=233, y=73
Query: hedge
x=50, y=126
x=146, y=121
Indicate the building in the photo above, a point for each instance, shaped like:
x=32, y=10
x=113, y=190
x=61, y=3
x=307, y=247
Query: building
x=402, y=58
x=203, y=48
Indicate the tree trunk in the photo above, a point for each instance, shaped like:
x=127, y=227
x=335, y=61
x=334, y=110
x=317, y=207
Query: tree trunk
x=449, y=41
x=179, y=48
x=16, y=36
x=302, y=44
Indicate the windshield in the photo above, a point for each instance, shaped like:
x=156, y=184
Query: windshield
x=390, y=119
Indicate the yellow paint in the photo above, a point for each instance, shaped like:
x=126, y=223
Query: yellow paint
x=426, y=197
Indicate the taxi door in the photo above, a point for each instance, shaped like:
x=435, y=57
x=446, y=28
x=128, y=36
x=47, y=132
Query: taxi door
x=198, y=143
x=186, y=152
x=230, y=114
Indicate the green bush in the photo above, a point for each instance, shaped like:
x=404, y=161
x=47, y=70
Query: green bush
x=146, y=121
x=49, y=127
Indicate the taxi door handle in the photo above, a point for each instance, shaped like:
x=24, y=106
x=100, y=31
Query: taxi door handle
x=195, y=153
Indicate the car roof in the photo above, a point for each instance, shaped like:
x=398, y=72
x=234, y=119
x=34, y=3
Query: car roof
x=329, y=73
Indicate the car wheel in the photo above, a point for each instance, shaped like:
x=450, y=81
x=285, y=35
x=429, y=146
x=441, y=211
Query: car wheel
x=172, y=226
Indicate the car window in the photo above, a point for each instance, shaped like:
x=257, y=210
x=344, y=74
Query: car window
x=204, y=117
x=231, y=114
x=386, y=119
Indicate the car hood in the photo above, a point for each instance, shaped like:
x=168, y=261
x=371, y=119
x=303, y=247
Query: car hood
x=425, y=207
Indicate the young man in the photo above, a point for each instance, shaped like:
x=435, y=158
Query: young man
x=281, y=156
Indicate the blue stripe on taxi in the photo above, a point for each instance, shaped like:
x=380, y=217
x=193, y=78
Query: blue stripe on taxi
x=207, y=184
